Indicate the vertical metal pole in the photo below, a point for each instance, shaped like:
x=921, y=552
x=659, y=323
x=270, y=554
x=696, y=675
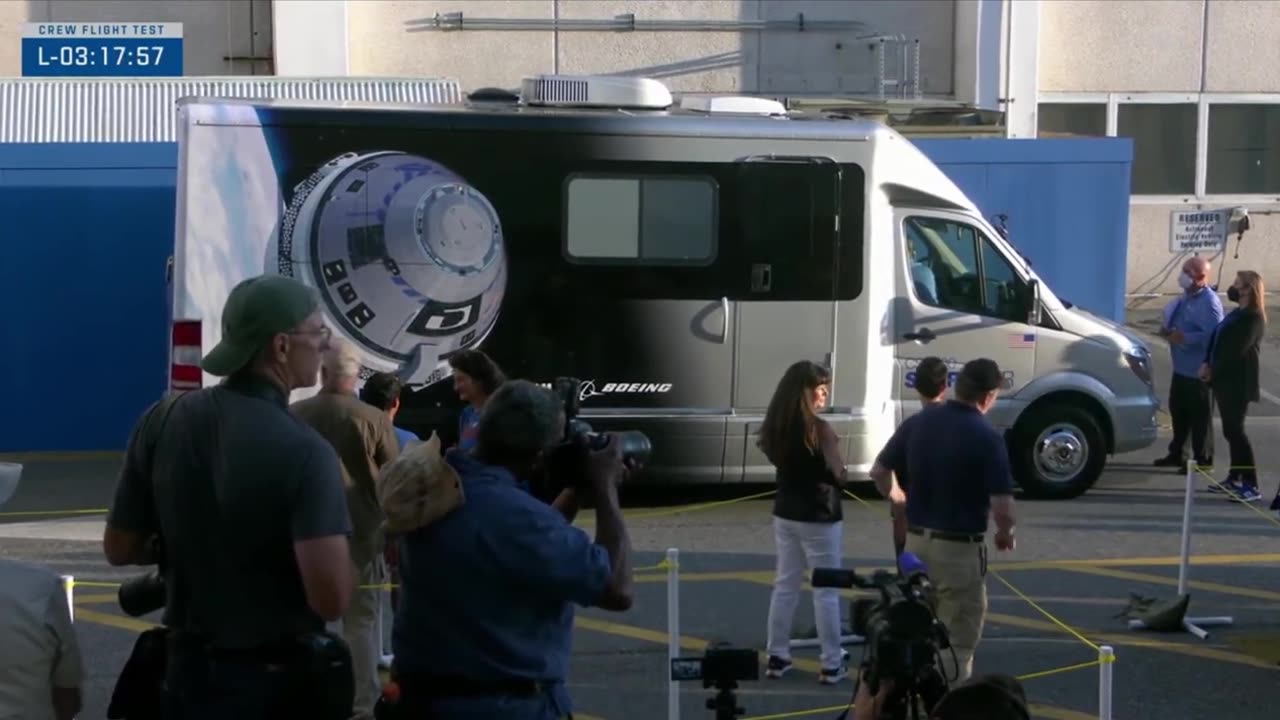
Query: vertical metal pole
x=69, y=587
x=673, y=630
x=1106, y=660
x=1185, y=559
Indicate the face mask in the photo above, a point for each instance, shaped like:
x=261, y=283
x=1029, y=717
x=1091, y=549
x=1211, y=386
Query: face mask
x=1233, y=294
x=1184, y=281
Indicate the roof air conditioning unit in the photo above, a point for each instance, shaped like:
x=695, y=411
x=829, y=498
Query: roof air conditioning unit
x=732, y=104
x=610, y=91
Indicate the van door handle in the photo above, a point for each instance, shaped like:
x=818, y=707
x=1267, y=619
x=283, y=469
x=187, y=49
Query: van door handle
x=724, y=307
x=925, y=335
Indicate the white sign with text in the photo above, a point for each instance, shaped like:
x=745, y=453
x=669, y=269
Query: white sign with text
x=1197, y=230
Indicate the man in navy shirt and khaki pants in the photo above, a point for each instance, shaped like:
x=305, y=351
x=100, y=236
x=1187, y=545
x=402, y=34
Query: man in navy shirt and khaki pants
x=957, y=470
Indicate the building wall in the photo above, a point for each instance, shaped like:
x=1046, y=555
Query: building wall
x=1196, y=84
x=388, y=38
x=219, y=36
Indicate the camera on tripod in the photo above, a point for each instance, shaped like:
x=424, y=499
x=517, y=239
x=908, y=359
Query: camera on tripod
x=722, y=667
x=904, y=638
x=568, y=460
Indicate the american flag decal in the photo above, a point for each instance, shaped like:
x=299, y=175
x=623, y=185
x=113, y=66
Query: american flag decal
x=1022, y=341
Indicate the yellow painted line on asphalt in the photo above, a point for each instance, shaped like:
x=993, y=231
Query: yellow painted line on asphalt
x=1136, y=639
x=1173, y=582
x=1049, y=712
x=96, y=599
x=1132, y=640
x=1161, y=561
x=742, y=575
x=1164, y=560
x=698, y=644
x=112, y=620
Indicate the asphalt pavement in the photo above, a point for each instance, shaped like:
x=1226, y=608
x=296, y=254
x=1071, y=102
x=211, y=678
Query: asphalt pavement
x=1057, y=596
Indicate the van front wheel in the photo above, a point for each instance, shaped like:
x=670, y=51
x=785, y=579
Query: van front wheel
x=1058, y=452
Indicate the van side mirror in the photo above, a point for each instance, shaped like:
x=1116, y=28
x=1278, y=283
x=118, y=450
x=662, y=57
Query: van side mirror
x=1033, y=302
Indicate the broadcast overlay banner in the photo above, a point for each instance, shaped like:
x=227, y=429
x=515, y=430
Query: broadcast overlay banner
x=102, y=50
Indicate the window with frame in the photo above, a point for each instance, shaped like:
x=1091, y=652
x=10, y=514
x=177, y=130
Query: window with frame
x=1164, y=146
x=953, y=266
x=657, y=219
x=1244, y=150
x=1071, y=119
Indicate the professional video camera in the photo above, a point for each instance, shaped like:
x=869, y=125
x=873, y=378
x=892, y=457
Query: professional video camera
x=904, y=638
x=721, y=667
x=145, y=593
x=567, y=461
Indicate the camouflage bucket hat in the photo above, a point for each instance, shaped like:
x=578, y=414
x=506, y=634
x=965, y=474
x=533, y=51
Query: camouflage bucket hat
x=418, y=488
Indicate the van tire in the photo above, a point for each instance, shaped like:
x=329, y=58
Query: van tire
x=1080, y=448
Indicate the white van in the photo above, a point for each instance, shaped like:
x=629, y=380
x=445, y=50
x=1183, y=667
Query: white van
x=677, y=256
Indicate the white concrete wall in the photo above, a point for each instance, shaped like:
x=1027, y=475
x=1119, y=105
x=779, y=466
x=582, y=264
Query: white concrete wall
x=212, y=31
x=1201, y=48
x=383, y=42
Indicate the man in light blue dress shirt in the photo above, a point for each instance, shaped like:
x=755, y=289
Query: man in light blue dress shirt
x=1187, y=327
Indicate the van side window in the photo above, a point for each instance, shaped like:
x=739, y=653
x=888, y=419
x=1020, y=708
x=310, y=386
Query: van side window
x=943, y=262
x=954, y=266
x=653, y=220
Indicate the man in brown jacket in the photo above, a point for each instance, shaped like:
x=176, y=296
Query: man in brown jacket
x=365, y=441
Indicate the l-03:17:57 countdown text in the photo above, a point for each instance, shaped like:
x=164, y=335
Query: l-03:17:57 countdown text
x=105, y=55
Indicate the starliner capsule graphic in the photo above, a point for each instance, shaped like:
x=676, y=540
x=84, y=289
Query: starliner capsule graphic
x=408, y=258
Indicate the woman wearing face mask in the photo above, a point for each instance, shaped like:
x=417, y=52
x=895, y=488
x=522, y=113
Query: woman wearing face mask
x=1231, y=367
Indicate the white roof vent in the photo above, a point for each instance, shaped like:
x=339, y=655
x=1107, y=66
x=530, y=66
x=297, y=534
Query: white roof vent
x=595, y=91
x=733, y=104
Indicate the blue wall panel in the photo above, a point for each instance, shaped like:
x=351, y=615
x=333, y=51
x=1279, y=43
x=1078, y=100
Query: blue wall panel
x=89, y=229
x=82, y=265
x=1068, y=206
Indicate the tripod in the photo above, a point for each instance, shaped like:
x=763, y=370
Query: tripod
x=725, y=703
x=927, y=687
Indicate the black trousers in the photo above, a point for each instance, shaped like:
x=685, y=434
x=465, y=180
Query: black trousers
x=1191, y=408
x=1232, y=407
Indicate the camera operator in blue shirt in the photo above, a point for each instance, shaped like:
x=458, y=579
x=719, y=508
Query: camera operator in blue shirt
x=485, y=621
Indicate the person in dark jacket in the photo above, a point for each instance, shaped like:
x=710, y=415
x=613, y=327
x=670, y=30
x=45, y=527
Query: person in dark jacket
x=808, y=515
x=1231, y=368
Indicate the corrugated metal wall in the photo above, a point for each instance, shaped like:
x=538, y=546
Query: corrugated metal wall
x=89, y=228
x=91, y=111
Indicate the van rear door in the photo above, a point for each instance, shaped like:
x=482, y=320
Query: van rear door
x=789, y=209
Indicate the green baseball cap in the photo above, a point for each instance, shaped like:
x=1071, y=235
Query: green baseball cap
x=257, y=309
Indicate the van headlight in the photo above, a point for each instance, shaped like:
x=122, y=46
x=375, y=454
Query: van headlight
x=1139, y=359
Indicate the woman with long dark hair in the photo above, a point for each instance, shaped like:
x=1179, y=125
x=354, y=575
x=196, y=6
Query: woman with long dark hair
x=475, y=377
x=1231, y=368
x=807, y=513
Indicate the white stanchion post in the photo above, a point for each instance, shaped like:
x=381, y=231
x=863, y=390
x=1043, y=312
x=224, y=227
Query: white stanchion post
x=1184, y=561
x=1106, y=660
x=1193, y=625
x=69, y=587
x=673, y=630
x=385, y=656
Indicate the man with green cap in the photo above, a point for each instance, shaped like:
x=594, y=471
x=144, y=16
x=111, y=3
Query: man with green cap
x=242, y=506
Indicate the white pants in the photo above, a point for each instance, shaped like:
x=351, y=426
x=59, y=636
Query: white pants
x=803, y=546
